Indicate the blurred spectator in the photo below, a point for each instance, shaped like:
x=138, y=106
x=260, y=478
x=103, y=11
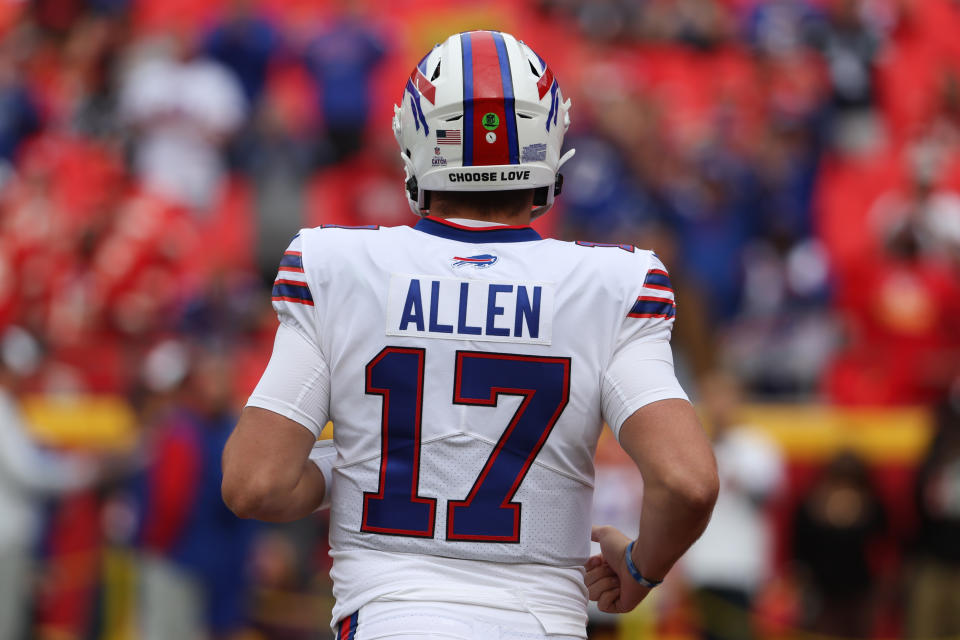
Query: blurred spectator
x=341, y=59
x=836, y=527
x=901, y=309
x=928, y=210
x=280, y=161
x=715, y=197
x=785, y=335
x=223, y=312
x=851, y=44
x=244, y=41
x=603, y=200
x=701, y=24
x=362, y=190
x=182, y=109
x=27, y=475
x=787, y=164
x=109, y=7
x=89, y=74
x=19, y=116
x=933, y=608
x=781, y=27
x=732, y=561
x=57, y=16
x=611, y=188
x=196, y=552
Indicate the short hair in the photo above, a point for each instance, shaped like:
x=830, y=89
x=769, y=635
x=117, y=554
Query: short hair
x=484, y=202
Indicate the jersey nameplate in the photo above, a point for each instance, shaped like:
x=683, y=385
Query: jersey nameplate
x=456, y=309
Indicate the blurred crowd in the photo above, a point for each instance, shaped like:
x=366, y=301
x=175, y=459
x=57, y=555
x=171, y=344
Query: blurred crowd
x=796, y=164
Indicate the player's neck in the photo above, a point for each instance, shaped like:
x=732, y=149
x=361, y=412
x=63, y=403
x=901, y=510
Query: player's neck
x=513, y=218
x=512, y=207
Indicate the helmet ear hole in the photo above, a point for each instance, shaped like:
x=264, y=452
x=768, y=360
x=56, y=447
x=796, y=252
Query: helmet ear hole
x=540, y=195
x=412, y=188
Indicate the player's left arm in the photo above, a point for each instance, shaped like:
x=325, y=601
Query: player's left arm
x=657, y=426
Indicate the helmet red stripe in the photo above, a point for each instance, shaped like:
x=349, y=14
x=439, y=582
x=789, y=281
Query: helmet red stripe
x=545, y=82
x=488, y=97
x=424, y=86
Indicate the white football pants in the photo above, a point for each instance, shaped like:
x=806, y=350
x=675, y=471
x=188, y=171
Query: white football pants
x=441, y=621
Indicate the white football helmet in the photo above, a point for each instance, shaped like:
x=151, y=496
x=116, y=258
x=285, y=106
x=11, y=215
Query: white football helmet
x=482, y=112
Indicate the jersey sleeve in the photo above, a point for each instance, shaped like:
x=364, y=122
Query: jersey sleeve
x=292, y=295
x=324, y=455
x=654, y=309
x=641, y=367
x=296, y=382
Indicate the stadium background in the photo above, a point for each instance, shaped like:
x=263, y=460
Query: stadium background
x=796, y=163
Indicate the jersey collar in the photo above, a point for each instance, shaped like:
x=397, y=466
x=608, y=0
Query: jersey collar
x=477, y=235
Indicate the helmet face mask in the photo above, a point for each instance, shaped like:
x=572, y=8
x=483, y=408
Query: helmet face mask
x=481, y=112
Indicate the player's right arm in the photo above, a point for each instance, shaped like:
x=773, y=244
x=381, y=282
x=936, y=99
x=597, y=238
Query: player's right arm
x=658, y=428
x=273, y=467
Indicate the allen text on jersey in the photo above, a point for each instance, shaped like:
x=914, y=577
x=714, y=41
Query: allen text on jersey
x=452, y=308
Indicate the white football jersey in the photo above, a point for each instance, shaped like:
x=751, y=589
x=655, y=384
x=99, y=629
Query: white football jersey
x=470, y=374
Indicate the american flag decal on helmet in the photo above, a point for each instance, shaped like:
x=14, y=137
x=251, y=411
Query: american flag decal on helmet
x=448, y=136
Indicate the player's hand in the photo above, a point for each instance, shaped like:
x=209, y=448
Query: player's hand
x=600, y=579
x=608, y=580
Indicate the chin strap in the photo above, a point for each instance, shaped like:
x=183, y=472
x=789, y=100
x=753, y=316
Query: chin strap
x=413, y=190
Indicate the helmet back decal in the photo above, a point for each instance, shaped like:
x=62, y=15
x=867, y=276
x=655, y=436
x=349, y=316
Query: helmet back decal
x=490, y=118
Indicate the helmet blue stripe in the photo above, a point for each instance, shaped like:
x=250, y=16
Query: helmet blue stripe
x=417, y=109
x=467, y=51
x=554, y=104
x=509, y=103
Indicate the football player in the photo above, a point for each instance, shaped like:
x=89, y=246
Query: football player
x=469, y=365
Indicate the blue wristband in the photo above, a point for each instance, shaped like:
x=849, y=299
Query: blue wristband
x=632, y=568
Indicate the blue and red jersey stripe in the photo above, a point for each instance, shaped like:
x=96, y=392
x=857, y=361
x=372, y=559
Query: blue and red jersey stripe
x=292, y=261
x=652, y=307
x=347, y=629
x=292, y=291
x=657, y=279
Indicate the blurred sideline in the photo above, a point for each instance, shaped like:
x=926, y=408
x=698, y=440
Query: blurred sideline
x=803, y=431
x=891, y=440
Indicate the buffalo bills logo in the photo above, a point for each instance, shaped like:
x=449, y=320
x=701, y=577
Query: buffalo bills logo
x=481, y=261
